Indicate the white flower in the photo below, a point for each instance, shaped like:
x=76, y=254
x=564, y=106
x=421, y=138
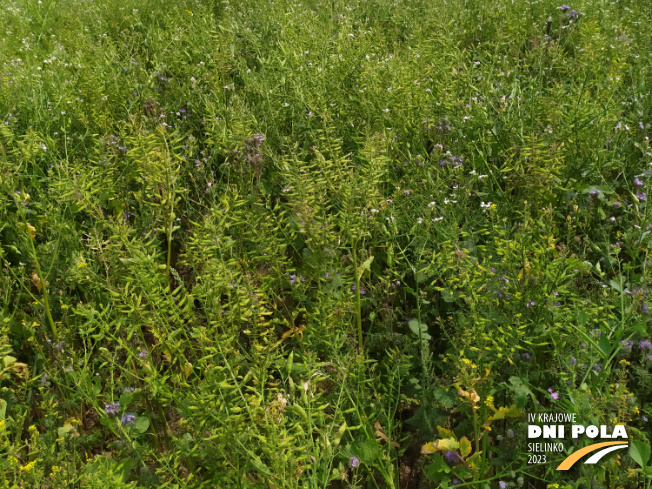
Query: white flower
x=487, y=204
x=437, y=219
x=420, y=220
x=432, y=204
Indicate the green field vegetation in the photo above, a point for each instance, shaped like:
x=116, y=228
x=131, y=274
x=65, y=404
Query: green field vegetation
x=337, y=244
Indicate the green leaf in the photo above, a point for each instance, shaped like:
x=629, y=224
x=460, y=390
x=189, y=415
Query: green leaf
x=447, y=295
x=339, y=434
x=604, y=345
x=521, y=391
x=365, y=266
x=367, y=451
x=141, y=424
x=640, y=452
x=616, y=286
x=444, y=397
x=437, y=468
x=3, y=408
x=419, y=329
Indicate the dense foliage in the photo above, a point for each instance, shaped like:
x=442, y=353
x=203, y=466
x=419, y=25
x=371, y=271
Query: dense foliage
x=302, y=244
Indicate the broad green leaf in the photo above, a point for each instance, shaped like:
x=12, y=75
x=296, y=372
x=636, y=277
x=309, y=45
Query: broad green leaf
x=640, y=452
x=447, y=295
x=446, y=398
x=616, y=286
x=141, y=424
x=436, y=468
x=369, y=451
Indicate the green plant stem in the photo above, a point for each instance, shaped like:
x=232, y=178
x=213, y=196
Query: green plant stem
x=46, y=302
x=358, y=308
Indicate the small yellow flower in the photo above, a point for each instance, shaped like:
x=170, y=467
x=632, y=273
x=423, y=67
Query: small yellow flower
x=489, y=401
x=32, y=429
x=636, y=410
x=29, y=467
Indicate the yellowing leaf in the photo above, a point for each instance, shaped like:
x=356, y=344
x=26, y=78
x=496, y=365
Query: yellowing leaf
x=32, y=230
x=506, y=412
x=445, y=433
x=465, y=446
x=429, y=448
x=37, y=281
x=381, y=436
x=339, y=434
x=167, y=354
x=448, y=444
x=471, y=396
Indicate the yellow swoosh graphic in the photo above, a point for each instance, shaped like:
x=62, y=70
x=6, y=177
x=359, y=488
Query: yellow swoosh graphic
x=575, y=456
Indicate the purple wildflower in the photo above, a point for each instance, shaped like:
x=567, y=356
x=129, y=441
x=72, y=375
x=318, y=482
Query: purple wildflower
x=502, y=485
x=143, y=353
x=573, y=14
x=644, y=309
x=527, y=356
x=638, y=182
x=354, y=462
x=573, y=361
x=363, y=291
x=451, y=457
x=112, y=408
x=128, y=419
x=645, y=345
x=554, y=395
x=597, y=367
x=564, y=8
x=642, y=196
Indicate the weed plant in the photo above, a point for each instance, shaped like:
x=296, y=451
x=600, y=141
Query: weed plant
x=322, y=244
